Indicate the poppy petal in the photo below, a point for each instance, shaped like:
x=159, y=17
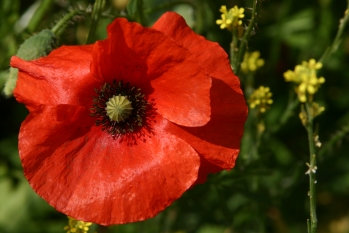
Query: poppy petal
x=213, y=59
x=88, y=175
x=165, y=71
x=218, y=141
x=63, y=77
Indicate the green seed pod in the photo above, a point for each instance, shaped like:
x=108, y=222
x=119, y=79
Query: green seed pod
x=36, y=46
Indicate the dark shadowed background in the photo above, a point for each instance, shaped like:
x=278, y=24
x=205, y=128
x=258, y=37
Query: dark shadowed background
x=265, y=193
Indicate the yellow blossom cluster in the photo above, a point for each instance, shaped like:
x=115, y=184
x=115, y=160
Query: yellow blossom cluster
x=305, y=76
x=251, y=62
x=230, y=18
x=261, y=98
x=76, y=226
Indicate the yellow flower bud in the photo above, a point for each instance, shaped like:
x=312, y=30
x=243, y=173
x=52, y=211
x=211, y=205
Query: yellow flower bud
x=305, y=76
x=261, y=98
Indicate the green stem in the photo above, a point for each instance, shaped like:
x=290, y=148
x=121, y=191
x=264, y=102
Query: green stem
x=96, y=13
x=246, y=37
x=140, y=12
x=168, y=5
x=338, y=39
x=234, y=49
x=59, y=28
x=39, y=14
x=312, y=169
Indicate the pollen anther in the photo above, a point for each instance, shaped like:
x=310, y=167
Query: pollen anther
x=119, y=108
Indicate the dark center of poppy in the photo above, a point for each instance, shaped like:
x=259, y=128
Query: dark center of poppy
x=119, y=107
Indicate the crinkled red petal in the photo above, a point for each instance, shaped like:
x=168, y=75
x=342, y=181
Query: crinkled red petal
x=212, y=57
x=218, y=141
x=167, y=72
x=63, y=77
x=85, y=173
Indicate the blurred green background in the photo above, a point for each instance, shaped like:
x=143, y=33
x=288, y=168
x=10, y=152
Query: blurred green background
x=267, y=191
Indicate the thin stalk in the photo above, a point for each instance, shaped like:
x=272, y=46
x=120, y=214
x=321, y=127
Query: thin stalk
x=234, y=49
x=312, y=169
x=64, y=22
x=96, y=13
x=246, y=37
x=309, y=126
x=339, y=36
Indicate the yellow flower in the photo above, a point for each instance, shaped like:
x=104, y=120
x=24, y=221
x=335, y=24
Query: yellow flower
x=223, y=9
x=305, y=76
x=224, y=22
x=237, y=14
x=261, y=98
x=76, y=226
x=231, y=18
x=251, y=62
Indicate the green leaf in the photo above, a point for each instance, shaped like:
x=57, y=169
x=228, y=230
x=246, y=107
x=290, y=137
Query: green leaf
x=132, y=7
x=36, y=46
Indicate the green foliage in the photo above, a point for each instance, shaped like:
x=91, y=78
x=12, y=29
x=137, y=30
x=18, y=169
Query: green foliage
x=267, y=190
x=132, y=7
x=135, y=10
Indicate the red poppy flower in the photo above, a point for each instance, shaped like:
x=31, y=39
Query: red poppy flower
x=120, y=129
